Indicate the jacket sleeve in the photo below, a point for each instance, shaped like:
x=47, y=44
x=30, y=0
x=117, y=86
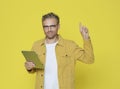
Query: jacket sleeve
x=84, y=55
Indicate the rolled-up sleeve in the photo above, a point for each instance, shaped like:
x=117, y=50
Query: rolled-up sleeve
x=85, y=54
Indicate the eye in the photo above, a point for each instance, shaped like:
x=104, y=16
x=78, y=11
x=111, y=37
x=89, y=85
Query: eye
x=45, y=26
x=51, y=26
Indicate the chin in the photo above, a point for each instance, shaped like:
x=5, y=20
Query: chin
x=51, y=36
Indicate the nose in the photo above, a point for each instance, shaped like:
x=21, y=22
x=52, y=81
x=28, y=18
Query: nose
x=49, y=28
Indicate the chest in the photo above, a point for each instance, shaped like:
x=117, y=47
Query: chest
x=63, y=55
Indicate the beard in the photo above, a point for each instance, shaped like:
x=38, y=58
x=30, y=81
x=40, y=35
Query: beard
x=51, y=35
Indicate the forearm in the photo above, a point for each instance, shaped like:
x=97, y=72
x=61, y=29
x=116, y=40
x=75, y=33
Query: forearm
x=88, y=54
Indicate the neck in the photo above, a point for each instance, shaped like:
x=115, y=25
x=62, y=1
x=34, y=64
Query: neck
x=53, y=40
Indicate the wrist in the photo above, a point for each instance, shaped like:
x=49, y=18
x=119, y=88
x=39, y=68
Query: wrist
x=86, y=38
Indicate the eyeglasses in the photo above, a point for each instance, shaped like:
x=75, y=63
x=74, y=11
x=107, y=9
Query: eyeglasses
x=51, y=26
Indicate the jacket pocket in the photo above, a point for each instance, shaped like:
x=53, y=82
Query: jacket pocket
x=42, y=58
x=65, y=60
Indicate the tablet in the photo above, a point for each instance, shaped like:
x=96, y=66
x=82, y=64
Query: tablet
x=33, y=57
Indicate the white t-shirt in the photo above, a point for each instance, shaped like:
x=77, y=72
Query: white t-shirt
x=51, y=72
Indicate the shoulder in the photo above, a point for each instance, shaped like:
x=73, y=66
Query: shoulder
x=68, y=42
x=69, y=45
x=38, y=42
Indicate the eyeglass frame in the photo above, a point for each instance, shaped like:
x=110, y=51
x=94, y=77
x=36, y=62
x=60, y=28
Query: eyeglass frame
x=50, y=26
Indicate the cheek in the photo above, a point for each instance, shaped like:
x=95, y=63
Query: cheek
x=45, y=31
x=56, y=30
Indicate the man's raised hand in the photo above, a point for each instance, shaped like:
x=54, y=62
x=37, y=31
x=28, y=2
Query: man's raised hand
x=84, y=32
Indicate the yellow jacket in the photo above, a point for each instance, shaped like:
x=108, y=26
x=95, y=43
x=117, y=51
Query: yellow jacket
x=67, y=53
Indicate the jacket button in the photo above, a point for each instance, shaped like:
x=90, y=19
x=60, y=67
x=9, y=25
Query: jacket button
x=41, y=86
x=41, y=74
x=43, y=53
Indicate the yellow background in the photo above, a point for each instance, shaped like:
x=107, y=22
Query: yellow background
x=20, y=26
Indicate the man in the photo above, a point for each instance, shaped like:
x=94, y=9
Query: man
x=58, y=56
